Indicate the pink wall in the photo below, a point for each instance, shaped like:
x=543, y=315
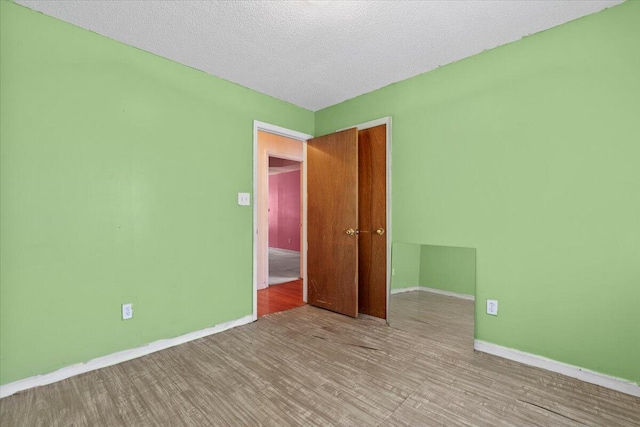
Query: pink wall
x=284, y=211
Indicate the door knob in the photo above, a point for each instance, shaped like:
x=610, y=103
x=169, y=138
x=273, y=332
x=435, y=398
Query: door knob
x=350, y=231
x=380, y=231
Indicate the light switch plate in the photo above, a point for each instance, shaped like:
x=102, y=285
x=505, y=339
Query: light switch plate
x=244, y=199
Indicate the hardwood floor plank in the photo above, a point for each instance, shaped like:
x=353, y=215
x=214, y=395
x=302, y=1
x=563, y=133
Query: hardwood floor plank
x=99, y=404
x=281, y=297
x=129, y=404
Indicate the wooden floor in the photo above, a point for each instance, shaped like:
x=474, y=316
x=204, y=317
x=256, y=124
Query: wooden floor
x=281, y=297
x=307, y=366
x=431, y=316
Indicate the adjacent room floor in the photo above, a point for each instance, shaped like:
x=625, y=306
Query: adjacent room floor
x=285, y=286
x=308, y=366
x=280, y=297
x=284, y=266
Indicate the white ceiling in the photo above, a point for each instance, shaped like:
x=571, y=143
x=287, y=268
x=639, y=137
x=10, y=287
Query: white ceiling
x=316, y=53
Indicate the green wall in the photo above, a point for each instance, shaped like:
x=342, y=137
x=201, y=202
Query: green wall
x=448, y=268
x=530, y=153
x=119, y=174
x=405, y=262
x=440, y=267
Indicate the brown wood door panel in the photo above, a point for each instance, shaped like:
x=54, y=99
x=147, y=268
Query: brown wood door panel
x=372, y=215
x=332, y=208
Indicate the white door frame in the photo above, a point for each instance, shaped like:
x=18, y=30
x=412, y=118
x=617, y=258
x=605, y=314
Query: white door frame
x=367, y=125
x=302, y=137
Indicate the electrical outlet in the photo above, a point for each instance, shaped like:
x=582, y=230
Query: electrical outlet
x=127, y=311
x=244, y=199
x=492, y=307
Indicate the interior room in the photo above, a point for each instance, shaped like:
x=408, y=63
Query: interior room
x=285, y=290
x=285, y=220
x=481, y=266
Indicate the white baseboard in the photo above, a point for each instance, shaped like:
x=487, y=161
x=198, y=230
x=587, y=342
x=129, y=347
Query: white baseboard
x=289, y=251
x=115, y=358
x=403, y=290
x=449, y=294
x=614, y=383
x=433, y=290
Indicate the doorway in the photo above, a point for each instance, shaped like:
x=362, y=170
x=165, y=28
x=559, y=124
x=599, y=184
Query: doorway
x=261, y=162
x=288, y=146
x=284, y=212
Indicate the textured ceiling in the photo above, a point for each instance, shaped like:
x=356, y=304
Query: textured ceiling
x=316, y=53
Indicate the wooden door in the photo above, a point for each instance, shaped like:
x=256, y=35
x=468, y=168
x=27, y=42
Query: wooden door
x=332, y=218
x=372, y=221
